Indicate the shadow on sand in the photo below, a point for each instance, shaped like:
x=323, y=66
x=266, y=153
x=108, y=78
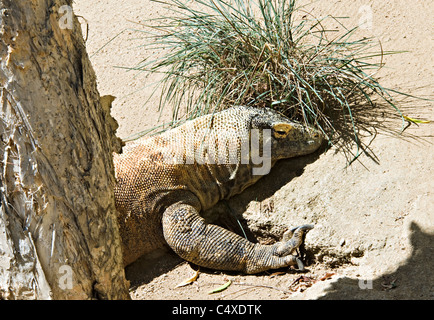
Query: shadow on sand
x=413, y=279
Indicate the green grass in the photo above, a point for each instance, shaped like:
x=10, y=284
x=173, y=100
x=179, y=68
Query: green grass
x=217, y=54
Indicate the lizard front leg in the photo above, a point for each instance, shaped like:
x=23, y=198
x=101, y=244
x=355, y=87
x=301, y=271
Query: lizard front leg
x=214, y=247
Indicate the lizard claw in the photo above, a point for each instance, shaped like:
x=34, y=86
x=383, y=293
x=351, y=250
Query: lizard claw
x=300, y=265
x=284, y=253
x=292, y=240
x=290, y=233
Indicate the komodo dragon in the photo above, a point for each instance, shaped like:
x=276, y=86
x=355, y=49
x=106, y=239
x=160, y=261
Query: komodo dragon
x=165, y=181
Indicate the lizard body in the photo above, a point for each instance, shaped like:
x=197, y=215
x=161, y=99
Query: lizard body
x=165, y=181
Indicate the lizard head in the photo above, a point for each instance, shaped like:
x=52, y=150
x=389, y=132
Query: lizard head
x=288, y=138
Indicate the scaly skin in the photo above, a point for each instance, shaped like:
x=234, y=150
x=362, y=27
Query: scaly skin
x=165, y=181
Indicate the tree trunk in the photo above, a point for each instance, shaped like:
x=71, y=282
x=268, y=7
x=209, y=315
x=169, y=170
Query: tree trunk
x=59, y=236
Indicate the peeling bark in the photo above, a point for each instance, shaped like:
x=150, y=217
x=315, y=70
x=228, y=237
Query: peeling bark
x=58, y=231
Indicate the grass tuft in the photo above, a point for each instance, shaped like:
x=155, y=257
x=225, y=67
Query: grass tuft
x=218, y=54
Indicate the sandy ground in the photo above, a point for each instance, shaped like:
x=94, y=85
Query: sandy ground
x=374, y=221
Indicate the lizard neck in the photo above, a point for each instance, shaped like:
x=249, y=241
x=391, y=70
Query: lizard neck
x=212, y=183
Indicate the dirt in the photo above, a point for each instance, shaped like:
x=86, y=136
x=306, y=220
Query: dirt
x=374, y=220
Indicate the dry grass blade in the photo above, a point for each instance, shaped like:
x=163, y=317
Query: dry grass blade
x=189, y=280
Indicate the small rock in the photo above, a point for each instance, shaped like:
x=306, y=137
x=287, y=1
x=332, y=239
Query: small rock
x=342, y=242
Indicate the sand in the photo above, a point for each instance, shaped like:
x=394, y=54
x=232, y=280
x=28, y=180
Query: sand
x=374, y=220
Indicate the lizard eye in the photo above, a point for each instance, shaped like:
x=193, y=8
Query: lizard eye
x=281, y=130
